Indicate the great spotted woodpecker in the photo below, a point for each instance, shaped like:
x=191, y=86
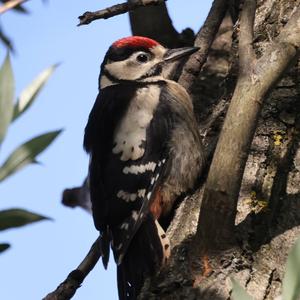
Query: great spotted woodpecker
x=145, y=151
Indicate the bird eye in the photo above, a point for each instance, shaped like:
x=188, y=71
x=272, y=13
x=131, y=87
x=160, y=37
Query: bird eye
x=143, y=58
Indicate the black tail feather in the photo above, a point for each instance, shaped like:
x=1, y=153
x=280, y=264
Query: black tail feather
x=142, y=259
x=105, y=247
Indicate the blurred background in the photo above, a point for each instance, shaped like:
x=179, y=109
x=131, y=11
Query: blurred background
x=42, y=254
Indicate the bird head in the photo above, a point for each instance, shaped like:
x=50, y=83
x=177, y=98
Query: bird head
x=139, y=58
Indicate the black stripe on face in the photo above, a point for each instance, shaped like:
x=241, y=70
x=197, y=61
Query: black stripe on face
x=115, y=54
x=154, y=71
x=119, y=54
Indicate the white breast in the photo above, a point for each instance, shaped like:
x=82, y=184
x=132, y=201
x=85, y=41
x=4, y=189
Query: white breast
x=131, y=132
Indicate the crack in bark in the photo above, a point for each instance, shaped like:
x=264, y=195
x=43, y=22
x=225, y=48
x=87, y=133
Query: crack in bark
x=268, y=287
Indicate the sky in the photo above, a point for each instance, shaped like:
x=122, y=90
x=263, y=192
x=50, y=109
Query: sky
x=42, y=254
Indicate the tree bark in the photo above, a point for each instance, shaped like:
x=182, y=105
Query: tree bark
x=267, y=220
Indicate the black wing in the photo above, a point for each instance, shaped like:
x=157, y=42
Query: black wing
x=109, y=184
x=109, y=107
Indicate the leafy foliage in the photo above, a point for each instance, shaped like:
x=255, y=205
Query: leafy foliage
x=29, y=94
x=3, y=247
x=16, y=217
x=6, y=96
x=27, y=152
x=6, y=40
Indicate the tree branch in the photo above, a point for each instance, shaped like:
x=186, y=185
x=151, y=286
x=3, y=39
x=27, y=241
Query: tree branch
x=218, y=209
x=114, y=10
x=204, y=39
x=246, y=53
x=155, y=22
x=10, y=4
x=67, y=289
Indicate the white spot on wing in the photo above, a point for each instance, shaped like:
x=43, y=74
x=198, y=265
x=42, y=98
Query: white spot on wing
x=124, y=226
x=141, y=193
x=120, y=259
x=134, y=215
x=130, y=197
x=139, y=169
x=126, y=196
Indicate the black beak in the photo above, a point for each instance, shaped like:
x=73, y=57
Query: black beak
x=176, y=54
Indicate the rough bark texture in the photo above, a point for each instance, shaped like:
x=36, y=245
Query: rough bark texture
x=268, y=216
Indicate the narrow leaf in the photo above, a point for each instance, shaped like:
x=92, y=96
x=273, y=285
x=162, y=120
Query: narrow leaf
x=16, y=217
x=238, y=293
x=6, y=40
x=29, y=94
x=26, y=153
x=21, y=9
x=6, y=96
x=3, y=247
x=291, y=280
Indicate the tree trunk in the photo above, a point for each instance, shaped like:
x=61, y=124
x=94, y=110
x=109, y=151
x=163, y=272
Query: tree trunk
x=268, y=212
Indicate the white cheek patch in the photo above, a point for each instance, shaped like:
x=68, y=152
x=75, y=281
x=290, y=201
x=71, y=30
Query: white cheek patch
x=131, y=132
x=125, y=70
x=140, y=169
x=131, y=69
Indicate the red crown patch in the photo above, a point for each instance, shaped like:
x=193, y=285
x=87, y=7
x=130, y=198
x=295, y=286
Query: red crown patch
x=135, y=41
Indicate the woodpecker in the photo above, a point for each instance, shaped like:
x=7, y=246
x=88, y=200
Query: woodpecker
x=145, y=151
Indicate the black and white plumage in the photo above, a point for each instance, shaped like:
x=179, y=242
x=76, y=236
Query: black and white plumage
x=145, y=151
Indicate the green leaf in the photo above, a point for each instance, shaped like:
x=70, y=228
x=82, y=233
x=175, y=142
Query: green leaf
x=16, y=217
x=29, y=94
x=291, y=280
x=26, y=153
x=21, y=9
x=238, y=293
x=6, y=40
x=7, y=86
x=3, y=247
